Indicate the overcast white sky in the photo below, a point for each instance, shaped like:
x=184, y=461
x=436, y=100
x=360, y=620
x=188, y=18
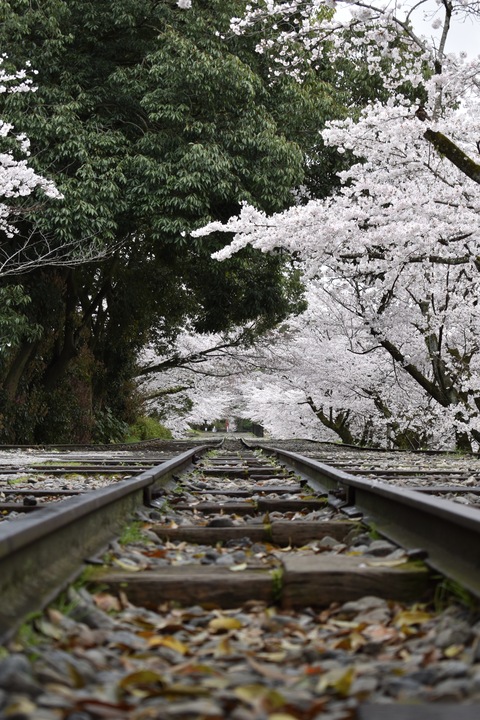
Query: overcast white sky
x=464, y=33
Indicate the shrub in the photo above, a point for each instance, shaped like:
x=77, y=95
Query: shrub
x=148, y=428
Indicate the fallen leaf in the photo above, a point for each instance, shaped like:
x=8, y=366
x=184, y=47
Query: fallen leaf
x=223, y=648
x=387, y=563
x=338, y=679
x=272, y=673
x=349, y=624
x=353, y=641
x=126, y=564
x=141, y=679
x=49, y=629
x=21, y=707
x=168, y=641
x=411, y=617
x=176, y=689
x=77, y=678
x=225, y=623
x=276, y=656
x=160, y=553
x=259, y=695
x=102, y=709
x=55, y=616
x=453, y=651
x=380, y=633
x=239, y=567
x=107, y=602
x=313, y=670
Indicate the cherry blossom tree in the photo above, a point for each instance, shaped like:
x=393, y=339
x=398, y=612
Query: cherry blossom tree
x=311, y=378
x=198, y=379
x=397, y=247
x=24, y=193
x=17, y=181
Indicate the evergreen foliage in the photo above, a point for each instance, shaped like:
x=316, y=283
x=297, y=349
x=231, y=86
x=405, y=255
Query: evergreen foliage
x=150, y=123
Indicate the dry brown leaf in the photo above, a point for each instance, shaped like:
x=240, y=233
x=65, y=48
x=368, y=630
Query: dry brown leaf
x=380, y=633
x=259, y=696
x=126, y=564
x=55, y=616
x=101, y=709
x=107, y=602
x=387, y=563
x=49, y=629
x=160, y=553
x=176, y=689
x=346, y=624
x=170, y=642
x=225, y=623
x=223, y=648
x=353, y=642
x=141, y=679
x=453, y=651
x=411, y=617
x=20, y=707
x=430, y=657
x=338, y=679
x=272, y=673
x=274, y=656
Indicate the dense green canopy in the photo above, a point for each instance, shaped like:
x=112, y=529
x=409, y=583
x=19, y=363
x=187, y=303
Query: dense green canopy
x=151, y=123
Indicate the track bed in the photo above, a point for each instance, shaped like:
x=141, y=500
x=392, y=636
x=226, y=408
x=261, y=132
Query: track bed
x=242, y=593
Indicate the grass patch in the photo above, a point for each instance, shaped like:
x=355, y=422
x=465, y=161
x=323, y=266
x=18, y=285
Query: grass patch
x=450, y=592
x=133, y=533
x=147, y=428
x=277, y=583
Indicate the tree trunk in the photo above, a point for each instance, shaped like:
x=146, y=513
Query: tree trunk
x=17, y=367
x=69, y=347
x=338, y=423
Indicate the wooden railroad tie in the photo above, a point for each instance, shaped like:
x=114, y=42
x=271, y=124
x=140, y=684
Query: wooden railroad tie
x=304, y=579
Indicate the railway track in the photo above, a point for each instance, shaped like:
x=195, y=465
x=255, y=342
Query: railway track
x=257, y=562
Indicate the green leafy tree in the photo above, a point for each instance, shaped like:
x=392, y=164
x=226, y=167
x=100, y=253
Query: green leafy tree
x=150, y=124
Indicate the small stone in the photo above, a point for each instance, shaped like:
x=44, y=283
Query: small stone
x=221, y=522
x=424, y=676
x=16, y=676
x=239, y=556
x=327, y=542
x=244, y=542
x=458, y=634
x=377, y=616
x=381, y=548
x=400, y=686
x=450, y=690
x=361, y=539
x=363, y=686
x=364, y=604
x=210, y=557
x=451, y=669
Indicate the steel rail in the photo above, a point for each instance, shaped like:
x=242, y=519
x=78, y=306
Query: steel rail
x=448, y=533
x=40, y=554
